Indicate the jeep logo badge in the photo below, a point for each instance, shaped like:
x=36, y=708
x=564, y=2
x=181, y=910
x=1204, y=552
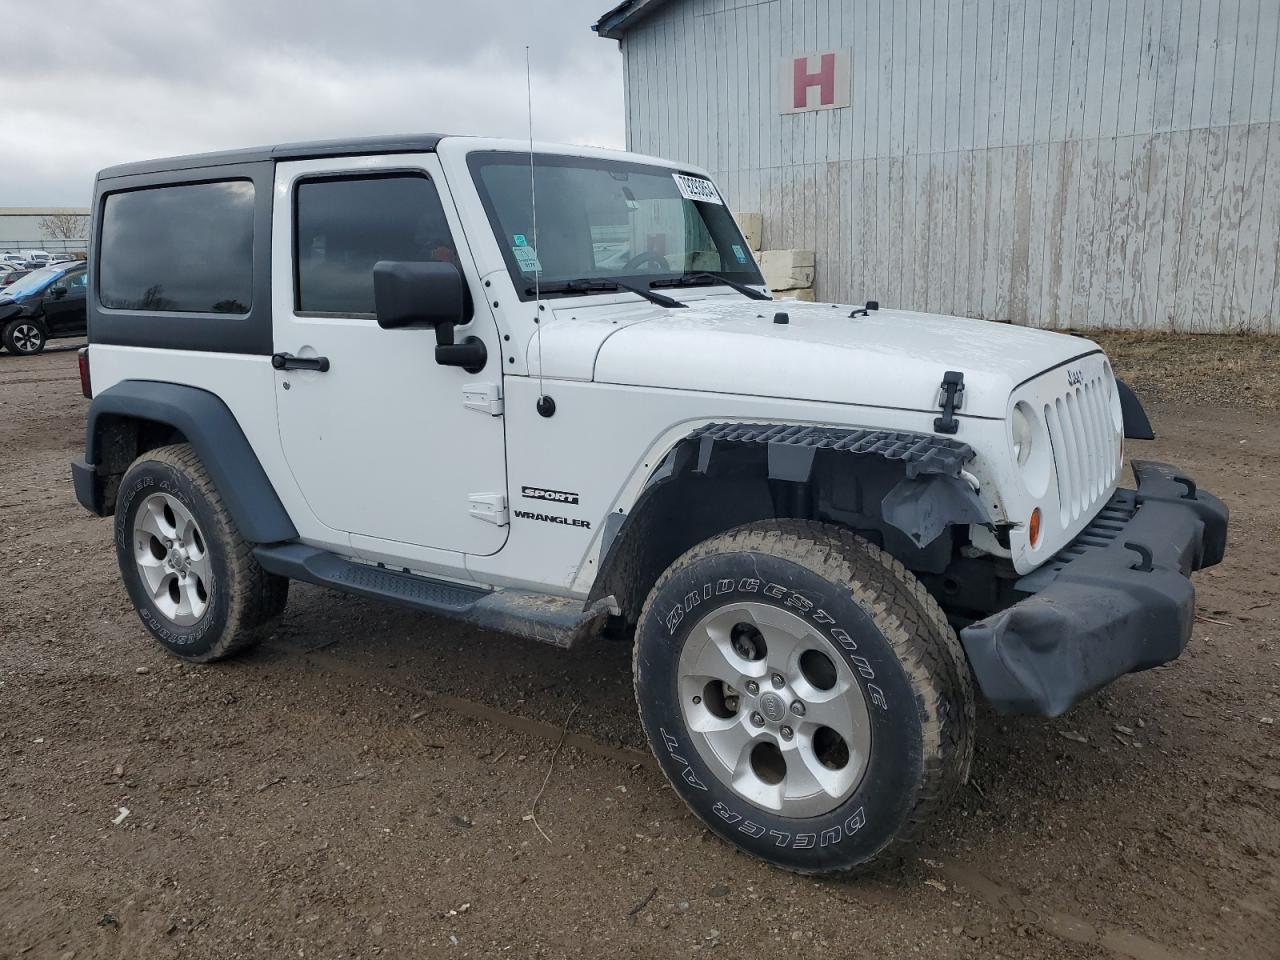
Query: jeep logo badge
x=772, y=707
x=1075, y=377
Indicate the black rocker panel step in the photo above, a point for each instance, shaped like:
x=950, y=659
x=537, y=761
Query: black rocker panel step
x=561, y=621
x=311, y=565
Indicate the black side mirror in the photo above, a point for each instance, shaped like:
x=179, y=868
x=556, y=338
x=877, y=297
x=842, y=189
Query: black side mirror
x=57, y=292
x=409, y=292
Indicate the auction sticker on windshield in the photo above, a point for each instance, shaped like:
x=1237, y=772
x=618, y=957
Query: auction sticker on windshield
x=696, y=188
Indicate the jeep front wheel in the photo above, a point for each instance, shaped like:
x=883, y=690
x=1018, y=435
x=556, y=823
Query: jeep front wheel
x=192, y=577
x=804, y=694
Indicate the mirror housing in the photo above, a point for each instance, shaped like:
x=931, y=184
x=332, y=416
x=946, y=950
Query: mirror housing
x=428, y=293
x=410, y=292
x=57, y=292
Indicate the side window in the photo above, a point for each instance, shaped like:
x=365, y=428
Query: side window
x=75, y=283
x=186, y=248
x=344, y=225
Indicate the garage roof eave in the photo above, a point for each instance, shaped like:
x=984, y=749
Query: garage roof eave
x=613, y=24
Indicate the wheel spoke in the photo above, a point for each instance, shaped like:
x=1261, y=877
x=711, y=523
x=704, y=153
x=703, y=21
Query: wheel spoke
x=718, y=662
x=191, y=604
x=830, y=708
x=151, y=520
x=729, y=738
x=201, y=569
x=748, y=783
x=153, y=572
x=163, y=598
x=785, y=636
x=186, y=528
x=806, y=775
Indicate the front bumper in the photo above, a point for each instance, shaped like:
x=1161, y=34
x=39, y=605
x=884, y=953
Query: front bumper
x=1116, y=600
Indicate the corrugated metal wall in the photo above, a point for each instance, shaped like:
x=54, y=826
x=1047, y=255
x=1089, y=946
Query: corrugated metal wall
x=1062, y=163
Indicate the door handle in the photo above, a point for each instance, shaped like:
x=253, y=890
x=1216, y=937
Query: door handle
x=287, y=361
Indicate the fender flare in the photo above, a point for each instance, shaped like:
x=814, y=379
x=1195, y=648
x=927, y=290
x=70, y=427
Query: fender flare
x=929, y=491
x=1136, y=424
x=213, y=431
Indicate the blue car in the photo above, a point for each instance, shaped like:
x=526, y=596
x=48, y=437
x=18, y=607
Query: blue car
x=45, y=304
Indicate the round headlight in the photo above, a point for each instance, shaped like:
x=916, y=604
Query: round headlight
x=1023, y=433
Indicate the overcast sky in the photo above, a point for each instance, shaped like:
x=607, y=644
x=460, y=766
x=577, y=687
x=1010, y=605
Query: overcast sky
x=88, y=83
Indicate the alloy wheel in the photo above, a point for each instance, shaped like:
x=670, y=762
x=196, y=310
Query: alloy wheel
x=26, y=337
x=774, y=709
x=172, y=557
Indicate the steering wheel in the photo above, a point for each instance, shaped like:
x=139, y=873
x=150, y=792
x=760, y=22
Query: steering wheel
x=647, y=257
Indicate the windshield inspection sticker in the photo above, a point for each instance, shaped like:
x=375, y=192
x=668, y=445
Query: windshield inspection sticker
x=527, y=259
x=696, y=188
x=739, y=253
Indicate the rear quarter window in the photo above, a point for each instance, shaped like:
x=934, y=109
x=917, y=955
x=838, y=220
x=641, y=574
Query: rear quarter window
x=185, y=248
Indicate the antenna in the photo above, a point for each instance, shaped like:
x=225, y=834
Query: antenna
x=546, y=406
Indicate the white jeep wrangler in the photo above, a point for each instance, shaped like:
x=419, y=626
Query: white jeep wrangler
x=547, y=391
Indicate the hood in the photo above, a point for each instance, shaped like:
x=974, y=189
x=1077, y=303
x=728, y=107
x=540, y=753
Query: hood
x=729, y=344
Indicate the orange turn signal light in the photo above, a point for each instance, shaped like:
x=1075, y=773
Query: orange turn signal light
x=1033, y=528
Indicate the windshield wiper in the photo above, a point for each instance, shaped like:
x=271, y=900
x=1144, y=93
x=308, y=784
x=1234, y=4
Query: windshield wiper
x=703, y=278
x=588, y=285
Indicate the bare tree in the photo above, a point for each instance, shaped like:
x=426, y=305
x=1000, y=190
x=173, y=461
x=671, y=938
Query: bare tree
x=65, y=226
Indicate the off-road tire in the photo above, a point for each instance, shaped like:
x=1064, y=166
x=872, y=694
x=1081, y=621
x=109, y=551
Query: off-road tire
x=11, y=343
x=921, y=695
x=244, y=599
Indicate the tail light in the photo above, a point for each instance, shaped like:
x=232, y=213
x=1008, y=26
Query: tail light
x=86, y=386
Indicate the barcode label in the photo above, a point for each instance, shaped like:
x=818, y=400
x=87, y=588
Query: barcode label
x=696, y=188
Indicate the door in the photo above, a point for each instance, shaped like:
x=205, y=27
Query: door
x=64, y=315
x=380, y=443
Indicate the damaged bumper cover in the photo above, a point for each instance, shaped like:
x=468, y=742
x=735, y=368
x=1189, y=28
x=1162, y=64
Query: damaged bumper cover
x=1116, y=600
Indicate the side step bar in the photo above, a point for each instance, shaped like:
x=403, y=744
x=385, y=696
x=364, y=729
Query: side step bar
x=560, y=621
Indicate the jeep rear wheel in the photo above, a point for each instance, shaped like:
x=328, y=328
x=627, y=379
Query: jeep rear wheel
x=192, y=578
x=23, y=336
x=804, y=694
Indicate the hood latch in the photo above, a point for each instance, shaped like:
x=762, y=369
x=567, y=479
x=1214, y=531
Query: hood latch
x=950, y=399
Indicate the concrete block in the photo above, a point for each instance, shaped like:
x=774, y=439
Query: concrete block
x=787, y=269
x=752, y=227
x=803, y=294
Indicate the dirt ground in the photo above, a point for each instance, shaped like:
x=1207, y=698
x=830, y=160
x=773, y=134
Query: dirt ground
x=361, y=785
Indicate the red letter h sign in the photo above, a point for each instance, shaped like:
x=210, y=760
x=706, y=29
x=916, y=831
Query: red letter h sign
x=824, y=79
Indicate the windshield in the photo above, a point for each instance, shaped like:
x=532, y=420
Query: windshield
x=32, y=282
x=607, y=220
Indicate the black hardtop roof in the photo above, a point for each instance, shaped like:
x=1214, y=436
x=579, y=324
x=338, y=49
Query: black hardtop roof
x=398, y=143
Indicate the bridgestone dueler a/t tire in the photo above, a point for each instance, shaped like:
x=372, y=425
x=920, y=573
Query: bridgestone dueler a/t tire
x=244, y=599
x=908, y=662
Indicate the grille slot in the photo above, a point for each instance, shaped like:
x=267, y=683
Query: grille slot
x=1084, y=450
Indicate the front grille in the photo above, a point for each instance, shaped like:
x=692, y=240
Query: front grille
x=1084, y=447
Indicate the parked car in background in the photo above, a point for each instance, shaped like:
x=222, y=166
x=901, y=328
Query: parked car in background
x=44, y=304
x=42, y=255
x=10, y=257
x=12, y=276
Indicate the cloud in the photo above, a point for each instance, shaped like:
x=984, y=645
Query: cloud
x=120, y=80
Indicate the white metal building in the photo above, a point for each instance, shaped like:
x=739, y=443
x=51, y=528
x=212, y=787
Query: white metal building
x=1062, y=163
x=24, y=228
